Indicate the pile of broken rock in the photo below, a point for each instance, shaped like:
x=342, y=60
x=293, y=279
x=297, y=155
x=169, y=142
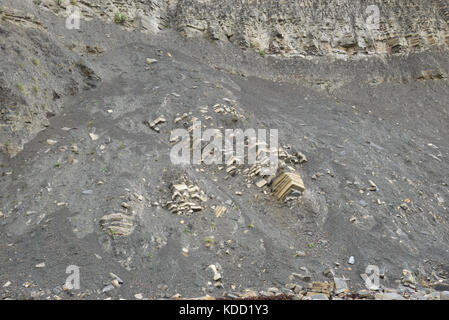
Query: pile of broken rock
x=185, y=199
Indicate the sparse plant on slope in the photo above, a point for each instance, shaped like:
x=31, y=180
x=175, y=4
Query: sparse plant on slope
x=120, y=18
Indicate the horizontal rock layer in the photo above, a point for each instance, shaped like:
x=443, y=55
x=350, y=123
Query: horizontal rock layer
x=289, y=27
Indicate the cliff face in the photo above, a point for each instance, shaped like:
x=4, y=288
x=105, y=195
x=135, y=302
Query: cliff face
x=290, y=27
x=320, y=27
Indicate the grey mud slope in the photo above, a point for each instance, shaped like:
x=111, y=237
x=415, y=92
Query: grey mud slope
x=352, y=130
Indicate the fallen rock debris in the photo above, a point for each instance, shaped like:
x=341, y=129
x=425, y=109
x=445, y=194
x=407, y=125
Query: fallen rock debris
x=154, y=123
x=186, y=199
x=287, y=184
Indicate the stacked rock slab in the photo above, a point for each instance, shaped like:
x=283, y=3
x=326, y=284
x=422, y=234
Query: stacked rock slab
x=286, y=184
x=118, y=223
x=186, y=199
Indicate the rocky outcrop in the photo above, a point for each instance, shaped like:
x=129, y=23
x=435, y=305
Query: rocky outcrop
x=143, y=15
x=37, y=72
x=320, y=27
x=287, y=27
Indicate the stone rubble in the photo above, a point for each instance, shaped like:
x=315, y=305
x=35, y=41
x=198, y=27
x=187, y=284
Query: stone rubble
x=185, y=199
x=153, y=124
x=228, y=110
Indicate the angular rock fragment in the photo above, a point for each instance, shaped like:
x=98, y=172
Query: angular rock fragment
x=150, y=61
x=261, y=183
x=232, y=170
x=154, y=124
x=317, y=296
x=301, y=157
x=341, y=287
x=118, y=223
x=372, y=186
x=51, y=142
x=180, y=118
x=389, y=296
x=220, y=211
x=408, y=278
x=287, y=184
x=351, y=260
x=322, y=287
x=217, y=275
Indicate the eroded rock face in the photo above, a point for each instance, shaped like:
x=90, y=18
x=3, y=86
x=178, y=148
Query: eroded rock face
x=36, y=73
x=319, y=27
x=143, y=15
x=287, y=27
